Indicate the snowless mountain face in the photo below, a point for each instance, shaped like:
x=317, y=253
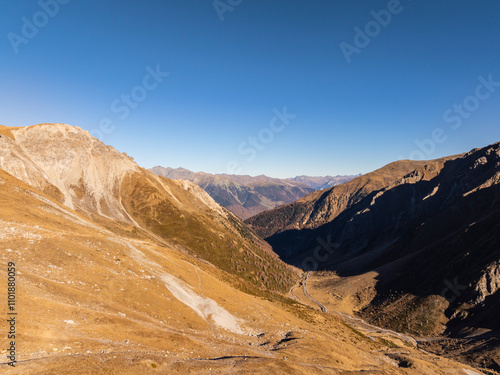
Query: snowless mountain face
x=414, y=246
x=148, y=275
x=87, y=176
x=322, y=183
x=245, y=196
x=83, y=170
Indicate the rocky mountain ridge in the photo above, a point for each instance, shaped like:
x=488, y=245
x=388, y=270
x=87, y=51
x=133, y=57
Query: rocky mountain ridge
x=324, y=182
x=415, y=249
x=323, y=206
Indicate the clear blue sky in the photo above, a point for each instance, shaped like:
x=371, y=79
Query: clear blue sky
x=226, y=78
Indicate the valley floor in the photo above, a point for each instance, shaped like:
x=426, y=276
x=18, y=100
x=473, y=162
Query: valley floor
x=456, y=348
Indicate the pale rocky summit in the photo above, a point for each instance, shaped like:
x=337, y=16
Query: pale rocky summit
x=86, y=172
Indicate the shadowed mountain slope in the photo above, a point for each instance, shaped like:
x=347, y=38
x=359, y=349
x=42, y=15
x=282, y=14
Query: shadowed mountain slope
x=323, y=206
x=424, y=237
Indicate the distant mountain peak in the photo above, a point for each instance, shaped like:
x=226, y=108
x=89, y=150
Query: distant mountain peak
x=247, y=195
x=244, y=195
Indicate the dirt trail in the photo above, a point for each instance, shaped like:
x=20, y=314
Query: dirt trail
x=293, y=295
x=357, y=322
x=367, y=327
x=323, y=308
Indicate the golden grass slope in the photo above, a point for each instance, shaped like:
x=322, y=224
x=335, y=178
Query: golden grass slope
x=110, y=188
x=92, y=301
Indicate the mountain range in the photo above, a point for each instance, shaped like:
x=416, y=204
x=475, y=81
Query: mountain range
x=247, y=196
x=118, y=270
x=322, y=183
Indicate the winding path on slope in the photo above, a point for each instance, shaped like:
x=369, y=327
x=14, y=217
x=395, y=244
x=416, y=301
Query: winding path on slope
x=304, y=284
x=358, y=322
x=293, y=295
x=365, y=327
